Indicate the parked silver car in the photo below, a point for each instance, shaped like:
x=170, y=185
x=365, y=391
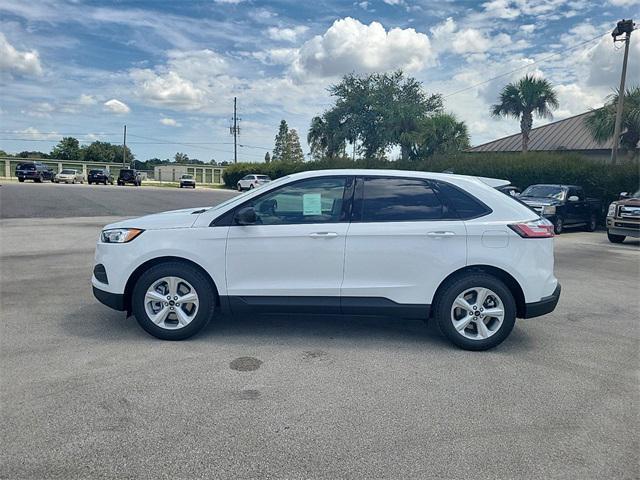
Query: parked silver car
x=69, y=175
x=187, y=181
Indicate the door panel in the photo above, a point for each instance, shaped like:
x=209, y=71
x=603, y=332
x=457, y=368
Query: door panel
x=399, y=245
x=297, y=247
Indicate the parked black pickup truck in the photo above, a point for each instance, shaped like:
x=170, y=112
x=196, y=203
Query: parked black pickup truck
x=563, y=205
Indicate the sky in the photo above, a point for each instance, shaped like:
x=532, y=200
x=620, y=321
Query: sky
x=169, y=69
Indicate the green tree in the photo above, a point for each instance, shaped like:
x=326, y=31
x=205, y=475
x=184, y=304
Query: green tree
x=601, y=123
x=523, y=99
x=101, y=152
x=67, y=149
x=375, y=111
x=439, y=134
x=32, y=154
x=267, y=158
x=280, y=152
x=181, y=157
x=294, y=149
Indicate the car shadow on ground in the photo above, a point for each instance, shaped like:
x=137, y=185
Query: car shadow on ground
x=99, y=323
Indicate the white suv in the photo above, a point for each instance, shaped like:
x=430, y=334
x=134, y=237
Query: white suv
x=249, y=182
x=354, y=242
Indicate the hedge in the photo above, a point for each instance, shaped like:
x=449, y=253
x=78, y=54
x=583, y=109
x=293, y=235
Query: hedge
x=600, y=180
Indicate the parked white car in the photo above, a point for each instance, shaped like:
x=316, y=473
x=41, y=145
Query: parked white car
x=408, y=244
x=252, y=181
x=69, y=175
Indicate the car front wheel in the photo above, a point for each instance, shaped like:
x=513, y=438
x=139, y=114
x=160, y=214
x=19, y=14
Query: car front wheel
x=558, y=226
x=592, y=224
x=173, y=301
x=476, y=311
x=615, y=238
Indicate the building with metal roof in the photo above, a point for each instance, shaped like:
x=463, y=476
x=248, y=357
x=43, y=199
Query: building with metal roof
x=568, y=135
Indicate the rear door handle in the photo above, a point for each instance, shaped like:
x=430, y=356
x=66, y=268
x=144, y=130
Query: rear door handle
x=441, y=234
x=323, y=235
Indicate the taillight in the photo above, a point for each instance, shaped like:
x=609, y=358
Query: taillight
x=540, y=228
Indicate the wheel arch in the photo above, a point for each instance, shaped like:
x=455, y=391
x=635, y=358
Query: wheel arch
x=511, y=283
x=137, y=273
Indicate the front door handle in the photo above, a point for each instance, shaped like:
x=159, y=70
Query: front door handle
x=323, y=235
x=441, y=234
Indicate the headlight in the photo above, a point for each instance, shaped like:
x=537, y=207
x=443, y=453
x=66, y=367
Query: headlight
x=549, y=210
x=119, y=235
x=612, y=210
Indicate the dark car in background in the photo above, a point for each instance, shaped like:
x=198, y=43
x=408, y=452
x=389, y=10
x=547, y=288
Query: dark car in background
x=563, y=205
x=34, y=171
x=129, y=175
x=187, y=180
x=100, y=175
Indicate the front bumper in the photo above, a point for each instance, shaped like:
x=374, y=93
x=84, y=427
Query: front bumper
x=544, y=306
x=623, y=226
x=112, y=300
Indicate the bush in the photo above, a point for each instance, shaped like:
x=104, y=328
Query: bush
x=599, y=179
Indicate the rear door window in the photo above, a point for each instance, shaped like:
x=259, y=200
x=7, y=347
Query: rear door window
x=396, y=199
x=460, y=204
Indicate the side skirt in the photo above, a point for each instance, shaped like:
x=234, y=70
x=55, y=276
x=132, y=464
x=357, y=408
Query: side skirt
x=374, y=306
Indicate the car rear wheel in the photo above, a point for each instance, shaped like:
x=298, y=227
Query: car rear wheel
x=592, y=224
x=558, y=226
x=20, y=179
x=615, y=238
x=239, y=187
x=173, y=301
x=476, y=311
x=39, y=179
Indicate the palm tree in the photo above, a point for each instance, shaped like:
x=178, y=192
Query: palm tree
x=438, y=134
x=522, y=99
x=601, y=123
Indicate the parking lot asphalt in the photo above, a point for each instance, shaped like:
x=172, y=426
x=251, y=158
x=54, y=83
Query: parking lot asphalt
x=87, y=393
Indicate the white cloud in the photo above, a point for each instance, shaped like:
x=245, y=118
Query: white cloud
x=231, y=2
x=447, y=37
x=169, y=122
x=35, y=134
x=276, y=56
x=349, y=45
x=20, y=62
x=116, y=106
x=624, y=3
x=286, y=34
x=501, y=9
x=87, y=100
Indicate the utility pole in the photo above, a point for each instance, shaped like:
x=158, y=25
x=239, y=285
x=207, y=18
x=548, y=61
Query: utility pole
x=235, y=131
x=124, y=147
x=626, y=27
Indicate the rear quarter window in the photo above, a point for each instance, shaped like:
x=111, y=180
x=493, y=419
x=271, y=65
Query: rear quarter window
x=461, y=204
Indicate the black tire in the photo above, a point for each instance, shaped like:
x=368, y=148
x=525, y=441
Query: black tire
x=196, y=278
x=615, y=238
x=448, y=294
x=180, y=185
x=20, y=179
x=239, y=188
x=558, y=226
x=39, y=179
x=250, y=187
x=592, y=224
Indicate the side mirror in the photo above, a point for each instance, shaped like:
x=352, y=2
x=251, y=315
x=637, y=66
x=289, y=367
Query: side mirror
x=246, y=216
x=573, y=198
x=624, y=195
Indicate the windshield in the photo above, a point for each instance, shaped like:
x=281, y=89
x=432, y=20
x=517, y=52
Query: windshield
x=68, y=172
x=26, y=166
x=187, y=177
x=636, y=195
x=94, y=172
x=262, y=177
x=544, y=191
x=239, y=197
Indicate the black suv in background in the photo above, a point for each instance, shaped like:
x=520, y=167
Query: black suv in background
x=100, y=175
x=34, y=171
x=129, y=175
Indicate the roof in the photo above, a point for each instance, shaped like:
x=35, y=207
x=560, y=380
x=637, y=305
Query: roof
x=568, y=134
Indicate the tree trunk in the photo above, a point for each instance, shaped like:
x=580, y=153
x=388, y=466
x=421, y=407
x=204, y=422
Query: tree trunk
x=526, y=122
x=405, y=151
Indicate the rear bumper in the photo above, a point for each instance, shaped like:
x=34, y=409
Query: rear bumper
x=112, y=300
x=544, y=306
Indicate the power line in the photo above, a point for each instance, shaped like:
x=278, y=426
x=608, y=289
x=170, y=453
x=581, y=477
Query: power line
x=524, y=67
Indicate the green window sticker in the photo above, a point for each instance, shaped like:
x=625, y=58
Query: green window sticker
x=312, y=204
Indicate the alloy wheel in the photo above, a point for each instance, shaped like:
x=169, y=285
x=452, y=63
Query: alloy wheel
x=477, y=313
x=171, y=303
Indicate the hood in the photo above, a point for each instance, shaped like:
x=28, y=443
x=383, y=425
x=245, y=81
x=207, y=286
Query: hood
x=539, y=201
x=184, y=218
x=629, y=202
